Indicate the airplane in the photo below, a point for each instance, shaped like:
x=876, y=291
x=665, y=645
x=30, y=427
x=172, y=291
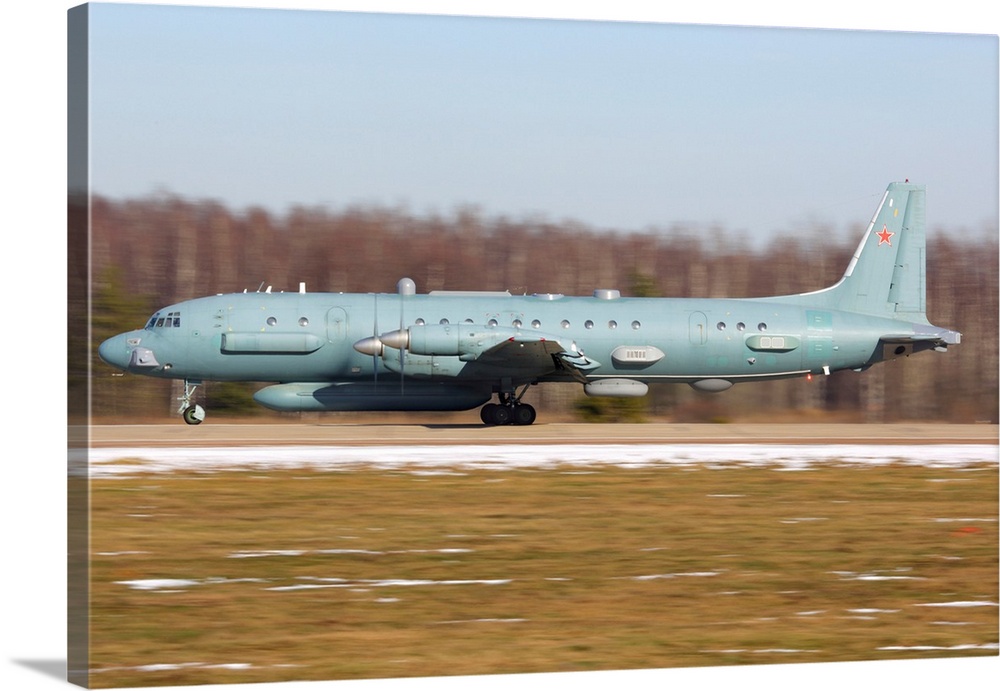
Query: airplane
x=457, y=350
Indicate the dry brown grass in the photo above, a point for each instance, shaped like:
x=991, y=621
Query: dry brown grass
x=609, y=569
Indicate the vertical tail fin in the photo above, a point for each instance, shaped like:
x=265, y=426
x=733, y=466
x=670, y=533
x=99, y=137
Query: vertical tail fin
x=887, y=275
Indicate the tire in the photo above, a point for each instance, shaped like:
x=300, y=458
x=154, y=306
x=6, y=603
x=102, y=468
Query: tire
x=486, y=413
x=502, y=415
x=524, y=414
x=190, y=415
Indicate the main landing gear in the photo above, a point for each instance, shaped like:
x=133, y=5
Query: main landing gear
x=510, y=410
x=192, y=413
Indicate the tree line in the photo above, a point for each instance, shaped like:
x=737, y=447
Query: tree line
x=141, y=254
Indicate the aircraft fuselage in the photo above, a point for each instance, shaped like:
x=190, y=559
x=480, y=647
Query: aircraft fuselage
x=309, y=337
x=456, y=350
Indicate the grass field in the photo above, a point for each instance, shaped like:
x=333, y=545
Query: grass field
x=282, y=575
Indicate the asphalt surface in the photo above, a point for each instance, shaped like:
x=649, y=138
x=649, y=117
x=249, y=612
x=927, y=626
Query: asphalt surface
x=178, y=434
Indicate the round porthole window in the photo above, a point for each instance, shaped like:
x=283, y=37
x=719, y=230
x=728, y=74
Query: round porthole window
x=271, y=321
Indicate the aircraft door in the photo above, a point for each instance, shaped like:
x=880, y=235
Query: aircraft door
x=698, y=328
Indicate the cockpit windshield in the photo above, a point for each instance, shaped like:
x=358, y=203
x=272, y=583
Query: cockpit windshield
x=158, y=320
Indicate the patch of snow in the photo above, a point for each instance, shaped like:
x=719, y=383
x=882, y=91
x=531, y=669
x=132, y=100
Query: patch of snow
x=316, y=583
x=922, y=648
x=173, y=584
x=114, y=462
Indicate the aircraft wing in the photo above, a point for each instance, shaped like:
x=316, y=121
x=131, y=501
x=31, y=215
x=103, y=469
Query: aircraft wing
x=536, y=356
x=489, y=352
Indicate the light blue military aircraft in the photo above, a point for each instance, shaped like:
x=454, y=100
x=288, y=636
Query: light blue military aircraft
x=449, y=350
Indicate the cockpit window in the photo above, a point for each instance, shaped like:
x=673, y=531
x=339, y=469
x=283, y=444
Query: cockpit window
x=156, y=321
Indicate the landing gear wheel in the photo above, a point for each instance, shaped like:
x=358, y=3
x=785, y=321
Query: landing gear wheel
x=501, y=415
x=193, y=415
x=524, y=414
x=486, y=413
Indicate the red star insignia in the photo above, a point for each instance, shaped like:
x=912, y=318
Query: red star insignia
x=884, y=235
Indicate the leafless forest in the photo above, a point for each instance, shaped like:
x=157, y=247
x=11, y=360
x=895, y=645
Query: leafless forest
x=149, y=252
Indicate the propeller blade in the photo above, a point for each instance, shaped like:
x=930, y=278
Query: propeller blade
x=375, y=355
x=402, y=350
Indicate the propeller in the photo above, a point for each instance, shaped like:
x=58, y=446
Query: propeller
x=404, y=287
x=376, y=352
x=372, y=345
x=376, y=344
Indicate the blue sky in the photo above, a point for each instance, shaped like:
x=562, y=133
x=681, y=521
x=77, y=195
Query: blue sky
x=623, y=125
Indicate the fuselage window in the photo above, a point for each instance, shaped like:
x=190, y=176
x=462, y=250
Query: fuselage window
x=721, y=326
x=492, y=322
x=420, y=321
x=636, y=325
x=271, y=321
x=612, y=324
x=444, y=321
x=762, y=327
x=588, y=324
x=516, y=323
x=303, y=321
x=536, y=324
x=466, y=321
x=740, y=326
x=564, y=323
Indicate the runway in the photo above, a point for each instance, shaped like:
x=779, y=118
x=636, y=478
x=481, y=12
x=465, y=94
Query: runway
x=355, y=434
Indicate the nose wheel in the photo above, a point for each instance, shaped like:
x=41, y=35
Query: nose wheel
x=192, y=413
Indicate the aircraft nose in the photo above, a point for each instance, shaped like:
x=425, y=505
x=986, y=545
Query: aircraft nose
x=115, y=351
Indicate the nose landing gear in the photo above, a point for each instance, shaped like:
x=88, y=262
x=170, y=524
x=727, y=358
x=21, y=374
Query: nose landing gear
x=192, y=413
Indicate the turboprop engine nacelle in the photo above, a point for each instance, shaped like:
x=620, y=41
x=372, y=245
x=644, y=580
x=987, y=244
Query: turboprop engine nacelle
x=463, y=340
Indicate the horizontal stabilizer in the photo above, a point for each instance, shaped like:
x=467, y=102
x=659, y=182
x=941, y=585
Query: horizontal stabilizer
x=926, y=334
